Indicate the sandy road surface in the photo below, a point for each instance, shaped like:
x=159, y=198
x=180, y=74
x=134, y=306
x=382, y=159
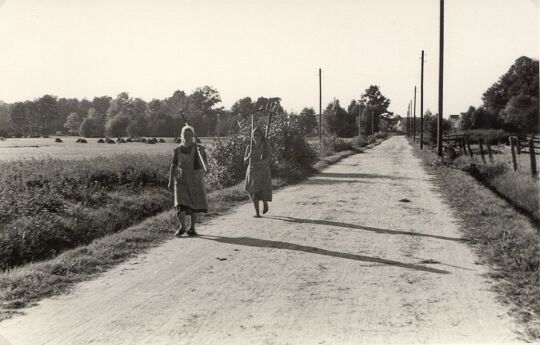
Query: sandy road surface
x=339, y=260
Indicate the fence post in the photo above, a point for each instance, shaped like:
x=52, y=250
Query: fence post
x=513, y=148
x=480, y=141
x=518, y=145
x=533, y=158
x=490, y=154
x=468, y=145
x=462, y=143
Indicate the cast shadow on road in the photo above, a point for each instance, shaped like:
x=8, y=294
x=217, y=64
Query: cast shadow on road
x=362, y=227
x=260, y=243
x=326, y=181
x=361, y=175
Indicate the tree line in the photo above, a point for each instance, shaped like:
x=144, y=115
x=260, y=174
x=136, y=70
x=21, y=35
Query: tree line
x=511, y=103
x=126, y=116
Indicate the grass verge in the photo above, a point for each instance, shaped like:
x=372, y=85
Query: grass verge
x=24, y=285
x=503, y=237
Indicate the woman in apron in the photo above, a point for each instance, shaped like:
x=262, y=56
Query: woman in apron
x=258, y=178
x=187, y=177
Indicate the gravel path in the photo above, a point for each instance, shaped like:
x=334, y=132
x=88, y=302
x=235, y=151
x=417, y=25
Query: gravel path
x=365, y=252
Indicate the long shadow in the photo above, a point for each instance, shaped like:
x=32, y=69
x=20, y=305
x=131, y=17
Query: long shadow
x=327, y=181
x=255, y=242
x=362, y=227
x=360, y=175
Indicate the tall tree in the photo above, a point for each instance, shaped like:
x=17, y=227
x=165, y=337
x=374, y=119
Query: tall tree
x=376, y=104
x=178, y=101
x=93, y=125
x=201, y=110
x=306, y=121
x=73, y=123
x=338, y=121
x=4, y=119
x=466, y=122
x=159, y=122
x=101, y=104
x=137, y=126
x=521, y=114
x=119, y=114
x=18, y=119
x=47, y=113
x=521, y=79
x=64, y=107
x=481, y=118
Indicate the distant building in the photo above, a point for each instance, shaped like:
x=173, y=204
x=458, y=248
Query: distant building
x=455, y=120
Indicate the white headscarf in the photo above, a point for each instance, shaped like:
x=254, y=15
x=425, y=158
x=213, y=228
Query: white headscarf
x=184, y=129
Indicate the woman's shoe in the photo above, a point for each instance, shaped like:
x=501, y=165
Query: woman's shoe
x=180, y=232
x=192, y=232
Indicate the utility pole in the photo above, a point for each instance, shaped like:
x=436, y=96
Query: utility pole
x=360, y=108
x=441, y=60
x=320, y=107
x=414, y=116
x=422, y=103
x=408, y=120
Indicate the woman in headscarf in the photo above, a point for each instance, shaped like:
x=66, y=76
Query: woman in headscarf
x=258, y=178
x=186, y=176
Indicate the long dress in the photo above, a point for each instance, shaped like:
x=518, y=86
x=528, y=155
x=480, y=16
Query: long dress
x=189, y=186
x=258, y=178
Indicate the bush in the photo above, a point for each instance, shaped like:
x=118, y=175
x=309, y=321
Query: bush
x=342, y=145
x=59, y=204
x=381, y=135
x=491, y=136
x=360, y=141
x=32, y=238
x=291, y=154
x=226, y=161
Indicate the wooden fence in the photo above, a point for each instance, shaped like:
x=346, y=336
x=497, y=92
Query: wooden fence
x=456, y=144
x=525, y=144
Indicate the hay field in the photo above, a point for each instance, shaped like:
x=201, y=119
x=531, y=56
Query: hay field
x=33, y=148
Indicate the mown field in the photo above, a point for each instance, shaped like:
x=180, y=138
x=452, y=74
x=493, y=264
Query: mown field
x=32, y=148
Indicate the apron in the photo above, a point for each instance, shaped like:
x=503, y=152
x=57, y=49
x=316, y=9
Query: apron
x=189, y=187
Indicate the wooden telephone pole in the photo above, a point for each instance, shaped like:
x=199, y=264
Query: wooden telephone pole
x=422, y=103
x=320, y=106
x=441, y=61
x=414, y=115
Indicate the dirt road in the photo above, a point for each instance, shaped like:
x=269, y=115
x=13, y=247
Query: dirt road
x=365, y=252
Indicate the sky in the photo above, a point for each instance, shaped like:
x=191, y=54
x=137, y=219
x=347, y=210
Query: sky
x=270, y=48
